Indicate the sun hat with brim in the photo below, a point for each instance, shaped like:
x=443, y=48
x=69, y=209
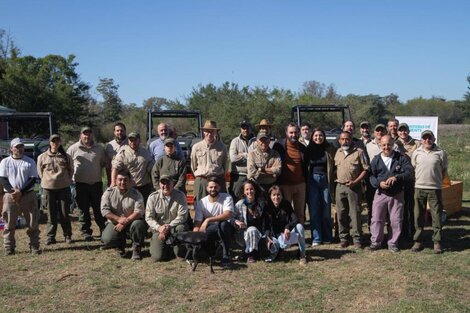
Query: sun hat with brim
x=54, y=136
x=379, y=126
x=427, y=132
x=264, y=122
x=86, y=129
x=403, y=125
x=16, y=142
x=210, y=125
x=134, y=135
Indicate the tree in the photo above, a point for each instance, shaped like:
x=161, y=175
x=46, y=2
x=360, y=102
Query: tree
x=112, y=103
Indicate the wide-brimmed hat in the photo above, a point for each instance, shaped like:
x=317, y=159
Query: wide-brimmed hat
x=264, y=122
x=210, y=125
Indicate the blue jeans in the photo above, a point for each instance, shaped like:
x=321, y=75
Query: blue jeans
x=320, y=209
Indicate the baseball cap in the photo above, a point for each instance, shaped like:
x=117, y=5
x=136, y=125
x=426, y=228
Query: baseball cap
x=403, y=125
x=261, y=135
x=379, y=126
x=134, y=135
x=169, y=140
x=364, y=123
x=427, y=132
x=86, y=129
x=16, y=142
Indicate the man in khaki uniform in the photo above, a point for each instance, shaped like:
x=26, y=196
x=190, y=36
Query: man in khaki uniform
x=351, y=164
x=208, y=159
x=112, y=147
x=89, y=159
x=138, y=161
x=264, y=164
x=166, y=213
x=123, y=206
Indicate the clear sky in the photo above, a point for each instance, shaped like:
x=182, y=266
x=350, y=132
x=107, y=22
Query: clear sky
x=151, y=48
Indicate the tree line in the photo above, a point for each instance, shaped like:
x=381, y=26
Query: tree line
x=52, y=83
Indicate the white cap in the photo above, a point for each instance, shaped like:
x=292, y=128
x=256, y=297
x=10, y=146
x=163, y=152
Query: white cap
x=15, y=142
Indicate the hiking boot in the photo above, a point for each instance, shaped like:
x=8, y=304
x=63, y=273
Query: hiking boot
x=303, y=260
x=393, y=249
x=88, y=237
x=250, y=259
x=121, y=252
x=418, y=246
x=373, y=247
x=136, y=252
x=35, y=250
x=68, y=239
x=9, y=252
x=50, y=241
x=226, y=263
x=357, y=245
x=343, y=244
x=437, y=248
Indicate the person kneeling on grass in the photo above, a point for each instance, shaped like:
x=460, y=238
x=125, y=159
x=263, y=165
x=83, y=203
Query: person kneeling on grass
x=250, y=219
x=123, y=206
x=166, y=214
x=285, y=229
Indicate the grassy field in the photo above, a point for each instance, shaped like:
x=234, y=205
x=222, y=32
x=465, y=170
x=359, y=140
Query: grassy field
x=82, y=278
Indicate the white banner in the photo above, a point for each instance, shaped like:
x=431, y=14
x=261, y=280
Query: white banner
x=418, y=124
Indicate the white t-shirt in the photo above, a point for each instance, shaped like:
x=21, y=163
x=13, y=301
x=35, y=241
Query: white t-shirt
x=387, y=160
x=18, y=171
x=205, y=208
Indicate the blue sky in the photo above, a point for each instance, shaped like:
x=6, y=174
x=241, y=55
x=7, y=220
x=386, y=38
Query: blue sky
x=167, y=48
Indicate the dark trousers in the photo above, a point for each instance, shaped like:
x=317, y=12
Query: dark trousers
x=145, y=190
x=135, y=231
x=219, y=231
x=58, y=205
x=408, y=228
x=235, y=186
x=370, y=192
x=89, y=195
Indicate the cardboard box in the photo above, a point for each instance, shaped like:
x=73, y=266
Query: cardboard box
x=452, y=197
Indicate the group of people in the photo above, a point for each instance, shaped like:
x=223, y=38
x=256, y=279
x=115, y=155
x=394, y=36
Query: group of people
x=272, y=182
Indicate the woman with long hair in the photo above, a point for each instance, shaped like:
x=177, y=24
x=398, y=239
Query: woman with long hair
x=250, y=220
x=285, y=230
x=55, y=168
x=320, y=155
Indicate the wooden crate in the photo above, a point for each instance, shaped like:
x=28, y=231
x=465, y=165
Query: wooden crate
x=452, y=197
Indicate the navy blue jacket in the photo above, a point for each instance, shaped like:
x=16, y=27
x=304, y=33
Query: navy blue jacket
x=401, y=168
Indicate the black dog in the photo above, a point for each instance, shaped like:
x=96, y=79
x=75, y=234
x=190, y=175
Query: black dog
x=193, y=242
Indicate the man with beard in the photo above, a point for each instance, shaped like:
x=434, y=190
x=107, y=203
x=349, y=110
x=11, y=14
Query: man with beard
x=350, y=127
x=305, y=134
x=138, y=162
x=89, y=159
x=388, y=173
x=264, y=164
x=212, y=216
x=351, y=168
x=156, y=147
x=430, y=163
x=123, y=206
x=238, y=152
x=18, y=174
x=365, y=132
x=120, y=139
x=294, y=171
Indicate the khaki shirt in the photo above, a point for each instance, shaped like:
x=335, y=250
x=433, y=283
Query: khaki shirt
x=55, y=172
x=139, y=164
x=87, y=162
x=429, y=167
x=349, y=167
x=112, y=148
x=122, y=204
x=410, y=145
x=209, y=160
x=258, y=159
x=160, y=210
